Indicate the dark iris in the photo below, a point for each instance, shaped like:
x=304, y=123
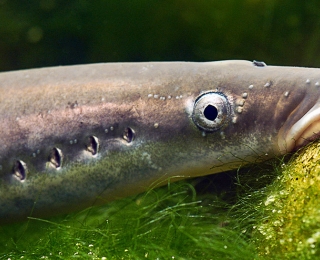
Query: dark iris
x=210, y=112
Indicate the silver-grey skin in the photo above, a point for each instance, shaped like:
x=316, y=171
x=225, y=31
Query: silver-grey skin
x=76, y=136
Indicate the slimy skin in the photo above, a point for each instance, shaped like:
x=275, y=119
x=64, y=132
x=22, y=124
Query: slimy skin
x=75, y=136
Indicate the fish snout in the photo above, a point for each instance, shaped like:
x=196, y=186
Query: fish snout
x=302, y=132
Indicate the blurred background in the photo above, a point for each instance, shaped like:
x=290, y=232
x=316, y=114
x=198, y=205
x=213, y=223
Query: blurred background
x=38, y=33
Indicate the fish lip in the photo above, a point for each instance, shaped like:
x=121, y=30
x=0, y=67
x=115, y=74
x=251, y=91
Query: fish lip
x=304, y=131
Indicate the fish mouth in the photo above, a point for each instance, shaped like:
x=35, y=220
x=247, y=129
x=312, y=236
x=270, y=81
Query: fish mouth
x=304, y=131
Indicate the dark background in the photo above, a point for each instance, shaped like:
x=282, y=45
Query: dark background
x=59, y=32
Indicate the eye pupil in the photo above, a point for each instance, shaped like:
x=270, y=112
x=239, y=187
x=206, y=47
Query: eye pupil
x=210, y=112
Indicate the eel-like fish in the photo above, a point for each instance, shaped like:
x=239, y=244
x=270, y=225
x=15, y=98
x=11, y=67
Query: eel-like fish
x=80, y=135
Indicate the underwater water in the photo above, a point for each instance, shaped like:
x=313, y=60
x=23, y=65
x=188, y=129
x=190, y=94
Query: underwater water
x=267, y=211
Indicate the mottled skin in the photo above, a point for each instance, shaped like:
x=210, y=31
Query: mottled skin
x=61, y=107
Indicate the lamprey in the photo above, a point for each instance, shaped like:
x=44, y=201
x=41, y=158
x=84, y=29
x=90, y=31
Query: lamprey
x=76, y=136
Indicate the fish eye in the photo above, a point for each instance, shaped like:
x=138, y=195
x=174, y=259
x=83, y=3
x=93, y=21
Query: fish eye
x=211, y=111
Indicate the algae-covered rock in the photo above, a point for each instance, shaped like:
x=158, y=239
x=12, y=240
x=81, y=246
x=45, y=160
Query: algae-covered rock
x=290, y=226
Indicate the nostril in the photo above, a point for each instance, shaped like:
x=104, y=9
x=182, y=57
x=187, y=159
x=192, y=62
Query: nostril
x=128, y=135
x=20, y=170
x=93, y=145
x=55, y=158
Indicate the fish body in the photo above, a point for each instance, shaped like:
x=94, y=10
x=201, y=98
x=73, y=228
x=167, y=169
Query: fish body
x=76, y=136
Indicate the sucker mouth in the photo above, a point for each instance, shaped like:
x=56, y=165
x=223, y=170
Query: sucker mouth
x=305, y=130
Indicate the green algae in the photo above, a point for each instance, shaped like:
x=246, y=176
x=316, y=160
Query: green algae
x=266, y=211
x=289, y=225
x=172, y=222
